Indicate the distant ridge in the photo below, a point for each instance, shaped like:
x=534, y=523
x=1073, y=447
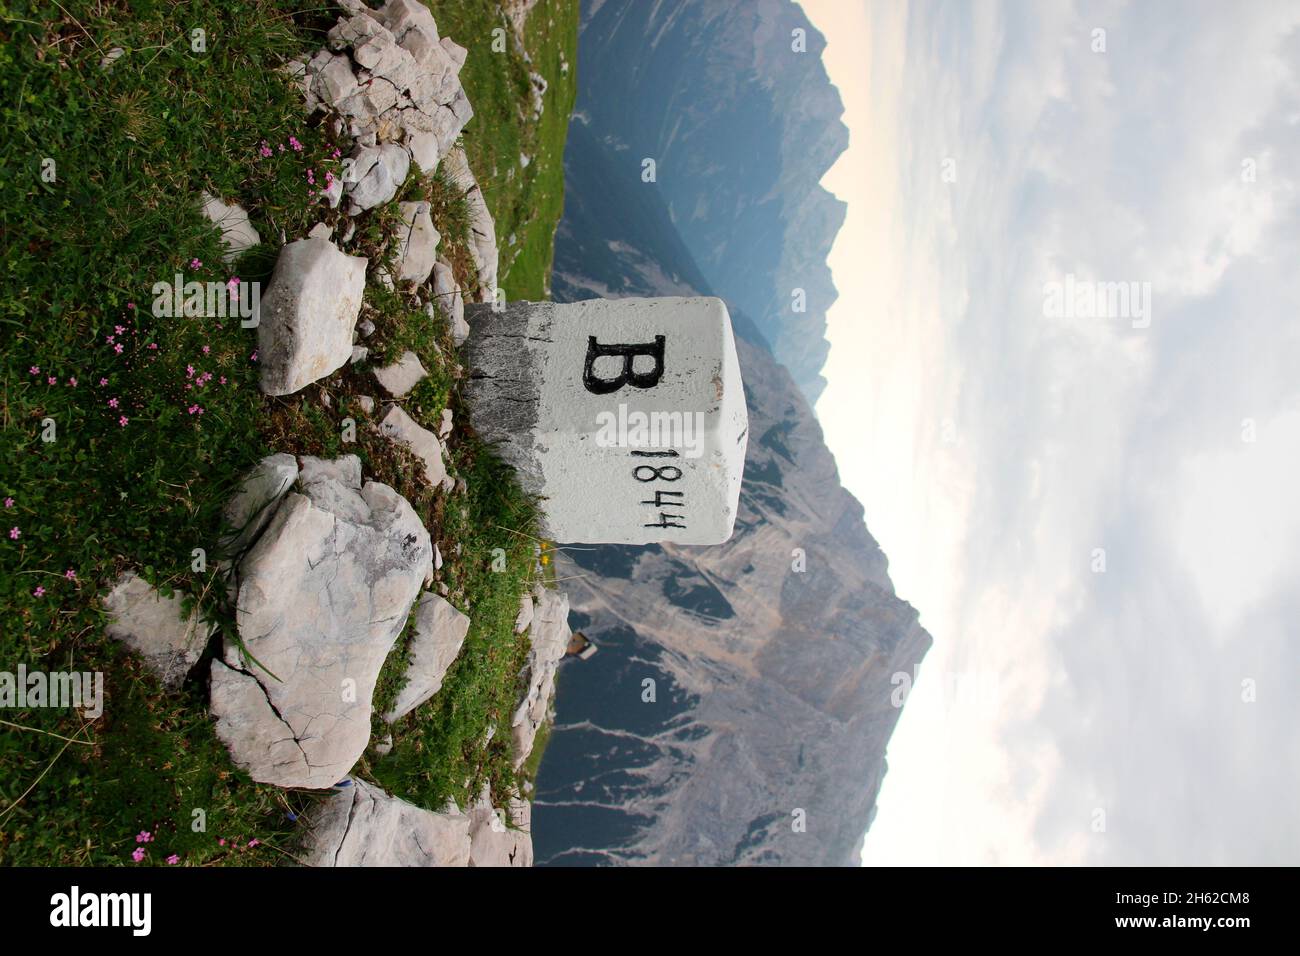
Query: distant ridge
x=772, y=687
x=742, y=129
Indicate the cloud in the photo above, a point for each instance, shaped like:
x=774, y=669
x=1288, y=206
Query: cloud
x=1119, y=690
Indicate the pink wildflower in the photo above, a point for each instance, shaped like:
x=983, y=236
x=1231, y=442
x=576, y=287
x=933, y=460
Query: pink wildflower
x=118, y=348
x=35, y=370
x=103, y=382
x=9, y=502
x=112, y=403
x=73, y=381
x=254, y=842
x=39, y=592
x=14, y=534
x=173, y=860
x=196, y=263
x=119, y=329
x=144, y=836
x=137, y=854
x=130, y=305
x=70, y=574
x=123, y=420
x=52, y=380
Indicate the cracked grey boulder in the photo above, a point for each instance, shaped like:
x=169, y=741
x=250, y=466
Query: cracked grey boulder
x=497, y=837
x=308, y=314
x=403, y=375
x=369, y=179
x=361, y=825
x=323, y=595
x=237, y=233
x=418, y=247
x=525, y=616
x=424, y=151
x=154, y=627
x=404, y=83
x=400, y=427
x=250, y=509
x=450, y=302
x=483, y=242
x=549, y=636
x=440, y=632
x=334, y=82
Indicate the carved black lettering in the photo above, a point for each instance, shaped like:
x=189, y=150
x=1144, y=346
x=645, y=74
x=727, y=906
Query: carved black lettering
x=656, y=472
x=659, y=497
x=603, y=386
x=663, y=521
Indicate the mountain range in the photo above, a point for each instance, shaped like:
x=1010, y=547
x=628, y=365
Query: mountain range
x=731, y=101
x=741, y=701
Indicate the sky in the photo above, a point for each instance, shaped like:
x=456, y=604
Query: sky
x=1096, y=510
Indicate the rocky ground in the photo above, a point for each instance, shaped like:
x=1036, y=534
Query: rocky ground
x=369, y=638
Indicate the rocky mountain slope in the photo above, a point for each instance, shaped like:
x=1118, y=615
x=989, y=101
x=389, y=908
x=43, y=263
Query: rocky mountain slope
x=771, y=685
x=741, y=127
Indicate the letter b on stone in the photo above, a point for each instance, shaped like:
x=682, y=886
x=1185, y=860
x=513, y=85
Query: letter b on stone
x=628, y=376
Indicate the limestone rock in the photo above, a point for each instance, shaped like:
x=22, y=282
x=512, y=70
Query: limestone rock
x=483, y=243
x=424, y=150
x=525, y=616
x=444, y=426
x=323, y=595
x=361, y=825
x=418, y=247
x=444, y=283
x=308, y=314
x=400, y=84
x=548, y=638
x=399, y=426
x=493, y=841
x=368, y=182
x=459, y=327
x=397, y=160
x=455, y=51
x=334, y=82
x=237, y=233
x=251, y=507
x=403, y=375
x=153, y=627
x=440, y=632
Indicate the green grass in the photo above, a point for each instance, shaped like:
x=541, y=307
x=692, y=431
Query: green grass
x=525, y=202
x=132, y=148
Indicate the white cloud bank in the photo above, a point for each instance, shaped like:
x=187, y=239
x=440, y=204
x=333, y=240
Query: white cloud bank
x=996, y=448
